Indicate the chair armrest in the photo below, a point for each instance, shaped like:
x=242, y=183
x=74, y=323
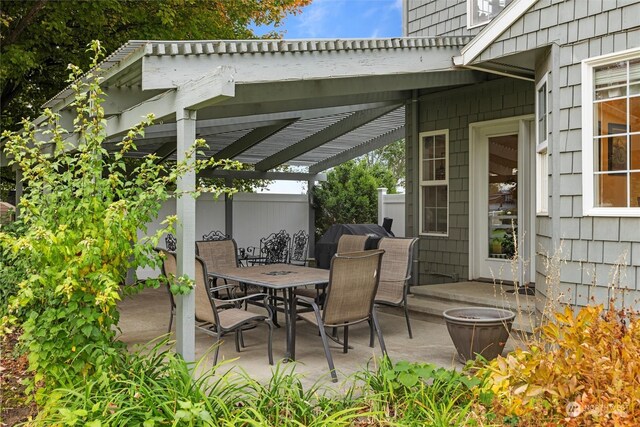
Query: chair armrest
x=221, y=288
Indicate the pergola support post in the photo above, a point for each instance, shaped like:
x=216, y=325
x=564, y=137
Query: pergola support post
x=312, y=220
x=228, y=209
x=186, y=230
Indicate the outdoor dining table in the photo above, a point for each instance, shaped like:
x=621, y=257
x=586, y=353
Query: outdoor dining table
x=284, y=277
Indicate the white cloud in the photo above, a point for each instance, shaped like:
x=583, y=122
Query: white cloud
x=312, y=22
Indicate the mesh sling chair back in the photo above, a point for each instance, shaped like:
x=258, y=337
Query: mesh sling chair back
x=169, y=271
x=351, y=243
x=353, y=282
x=395, y=272
x=346, y=243
x=218, y=317
x=218, y=253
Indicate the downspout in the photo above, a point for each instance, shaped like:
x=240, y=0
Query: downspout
x=415, y=186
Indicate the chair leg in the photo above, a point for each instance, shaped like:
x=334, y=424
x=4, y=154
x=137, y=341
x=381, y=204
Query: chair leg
x=376, y=324
x=292, y=330
x=270, y=345
x=345, y=348
x=370, y=333
x=238, y=331
x=327, y=353
x=215, y=354
x=406, y=316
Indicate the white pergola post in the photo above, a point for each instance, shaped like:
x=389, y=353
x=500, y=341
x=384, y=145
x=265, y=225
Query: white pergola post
x=382, y=192
x=186, y=231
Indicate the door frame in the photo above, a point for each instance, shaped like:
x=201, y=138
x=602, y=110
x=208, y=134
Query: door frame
x=523, y=125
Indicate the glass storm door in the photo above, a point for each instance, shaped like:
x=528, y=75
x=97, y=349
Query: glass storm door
x=500, y=200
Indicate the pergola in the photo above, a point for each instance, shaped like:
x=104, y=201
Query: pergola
x=310, y=103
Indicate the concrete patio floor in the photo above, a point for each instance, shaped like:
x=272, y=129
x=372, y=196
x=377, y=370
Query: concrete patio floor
x=145, y=316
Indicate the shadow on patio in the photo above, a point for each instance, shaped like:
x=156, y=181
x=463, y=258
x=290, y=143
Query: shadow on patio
x=145, y=317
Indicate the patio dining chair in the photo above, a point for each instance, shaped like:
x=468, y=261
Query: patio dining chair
x=169, y=272
x=346, y=243
x=215, y=235
x=298, y=251
x=275, y=247
x=353, y=282
x=218, y=317
x=395, y=272
x=218, y=253
x=351, y=243
x=171, y=242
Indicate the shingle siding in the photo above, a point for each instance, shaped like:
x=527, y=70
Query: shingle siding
x=438, y=17
x=455, y=110
x=580, y=29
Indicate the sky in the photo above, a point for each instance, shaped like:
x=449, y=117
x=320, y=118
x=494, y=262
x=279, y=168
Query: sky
x=344, y=19
x=339, y=19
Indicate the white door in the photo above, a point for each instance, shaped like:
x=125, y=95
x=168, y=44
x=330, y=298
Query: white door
x=501, y=192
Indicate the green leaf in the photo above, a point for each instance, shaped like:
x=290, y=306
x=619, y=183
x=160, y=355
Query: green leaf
x=407, y=379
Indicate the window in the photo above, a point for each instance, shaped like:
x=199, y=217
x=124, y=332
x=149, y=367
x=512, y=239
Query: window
x=434, y=183
x=542, y=158
x=611, y=134
x=480, y=12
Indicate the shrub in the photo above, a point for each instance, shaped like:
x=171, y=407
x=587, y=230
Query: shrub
x=584, y=371
x=82, y=209
x=12, y=267
x=420, y=394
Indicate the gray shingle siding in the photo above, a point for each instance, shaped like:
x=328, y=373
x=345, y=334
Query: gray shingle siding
x=438, y=17
x=455, y=110
x=579, y=29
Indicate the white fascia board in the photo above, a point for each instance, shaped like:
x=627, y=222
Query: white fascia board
x=492, y=31
x=165, y=72
x=207, y=90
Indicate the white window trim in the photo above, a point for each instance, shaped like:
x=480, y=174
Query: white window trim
x=542, y=149
x=423, y=183
x=588, y=65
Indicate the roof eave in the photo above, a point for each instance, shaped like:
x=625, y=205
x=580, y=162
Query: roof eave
x=492, y=31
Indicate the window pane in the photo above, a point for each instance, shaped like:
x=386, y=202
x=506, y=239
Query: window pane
x=441, y=220
x=429, y=220
x=611, y=80
x=434, y=202
x=635, y=152
x=617, y=153
x=440, y=169
x=441, y=197
x=610, y=117
x=428, y=147
x=427, y=170
x=635, y=189
x=440, y=147
x=634, y=114
x=485, y=10
x=611, y=190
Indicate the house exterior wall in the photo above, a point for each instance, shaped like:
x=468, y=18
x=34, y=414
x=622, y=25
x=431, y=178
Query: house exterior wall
x=438, y=18
x=593, y=249
x=454, y=110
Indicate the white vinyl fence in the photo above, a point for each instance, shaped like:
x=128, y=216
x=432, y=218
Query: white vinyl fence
x=392, y=206
x=255, y=215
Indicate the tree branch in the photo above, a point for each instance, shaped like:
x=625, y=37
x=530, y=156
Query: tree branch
x=26, y=20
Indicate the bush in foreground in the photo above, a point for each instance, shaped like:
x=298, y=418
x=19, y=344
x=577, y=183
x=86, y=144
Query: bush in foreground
x=157, y=387
x=585, y=370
